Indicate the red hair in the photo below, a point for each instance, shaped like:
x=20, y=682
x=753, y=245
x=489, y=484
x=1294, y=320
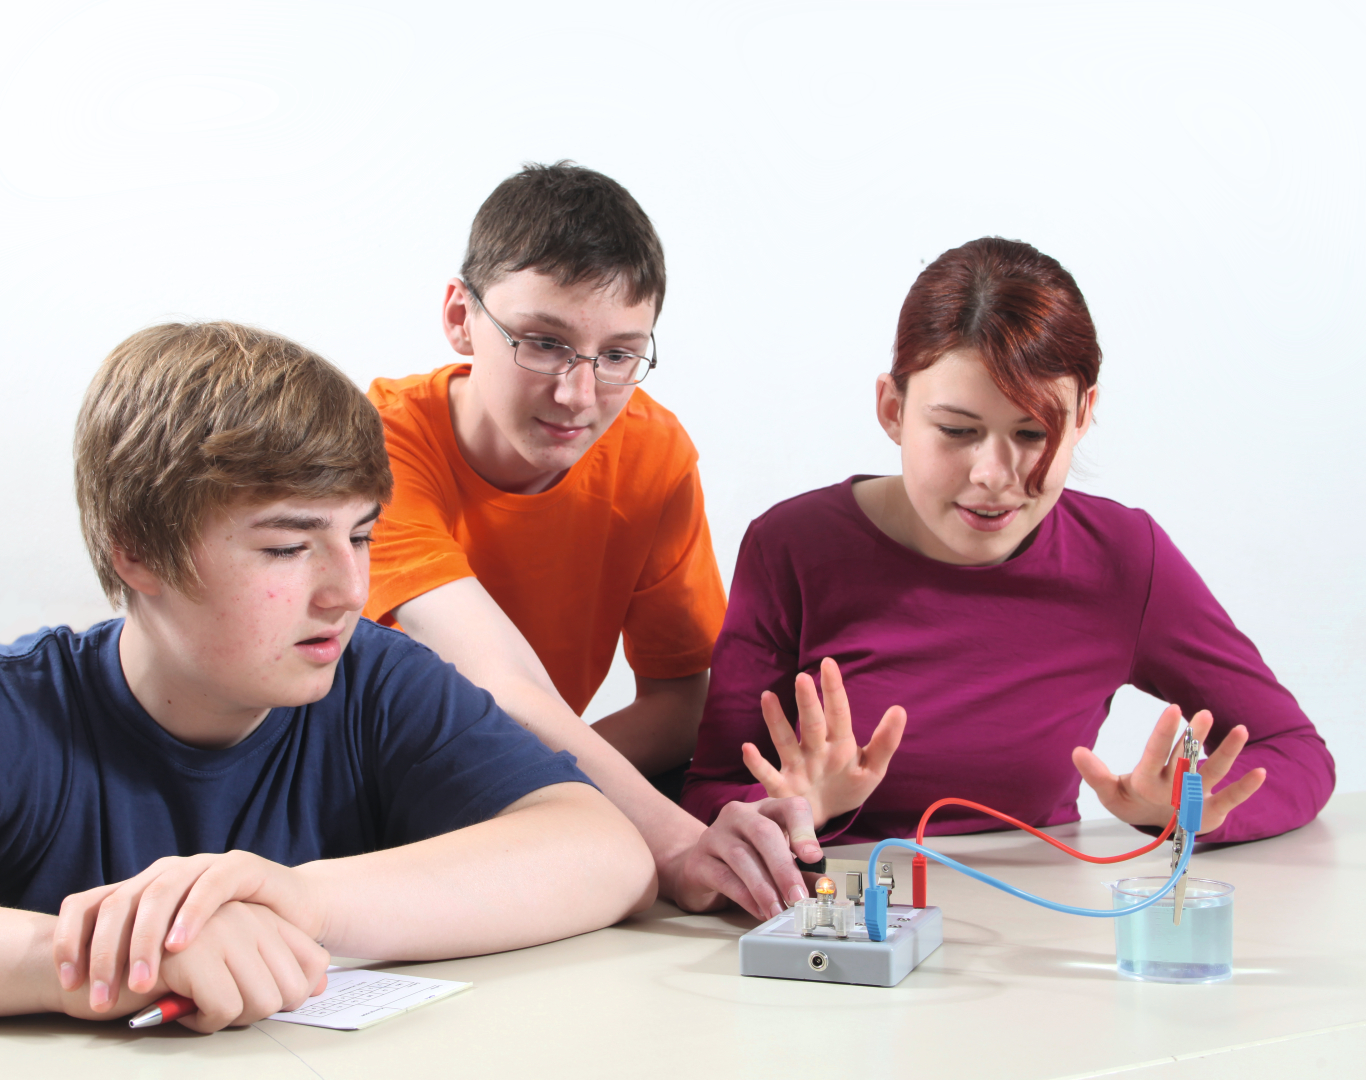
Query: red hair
x=1021, y=312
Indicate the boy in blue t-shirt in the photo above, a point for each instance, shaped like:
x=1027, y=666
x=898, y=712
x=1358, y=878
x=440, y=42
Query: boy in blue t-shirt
x=210, y=794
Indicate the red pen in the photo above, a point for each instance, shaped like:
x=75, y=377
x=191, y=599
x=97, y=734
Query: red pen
x=171, y=1007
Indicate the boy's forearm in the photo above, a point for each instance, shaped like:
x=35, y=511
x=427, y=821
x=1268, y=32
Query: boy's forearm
x=27, y=985
x=559, y=862
x=28, y=975
x=669, y=830
x=658, y=730
x=498, y=659
x=704, y=797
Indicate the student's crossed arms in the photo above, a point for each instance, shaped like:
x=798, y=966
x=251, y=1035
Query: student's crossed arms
x=246, y=963
x=179, y=923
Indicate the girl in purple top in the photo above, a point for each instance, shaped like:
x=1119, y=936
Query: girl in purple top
x=1003, y=610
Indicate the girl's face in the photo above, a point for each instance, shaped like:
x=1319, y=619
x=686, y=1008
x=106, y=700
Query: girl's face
x=966, y=451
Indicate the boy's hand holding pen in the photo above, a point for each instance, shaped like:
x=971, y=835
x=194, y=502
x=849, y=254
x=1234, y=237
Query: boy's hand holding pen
x=163, y=1011
x=246, y=964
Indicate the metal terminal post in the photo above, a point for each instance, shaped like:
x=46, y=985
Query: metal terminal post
x=1179, y=892
x=1190, y=748
x=884, y=875
x=853, y=886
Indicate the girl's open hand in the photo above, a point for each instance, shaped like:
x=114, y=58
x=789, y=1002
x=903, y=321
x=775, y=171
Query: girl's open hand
x=826, y=765
x=1143, y=797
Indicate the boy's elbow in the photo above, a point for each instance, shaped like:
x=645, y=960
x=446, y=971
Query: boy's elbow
x=628, y=866
x=591, y=852
x=587, y=851
x=646, y=884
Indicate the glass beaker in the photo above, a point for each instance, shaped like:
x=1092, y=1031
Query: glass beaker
x=1148, y=945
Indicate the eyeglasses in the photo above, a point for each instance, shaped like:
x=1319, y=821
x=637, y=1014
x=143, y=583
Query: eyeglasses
x=615, y=367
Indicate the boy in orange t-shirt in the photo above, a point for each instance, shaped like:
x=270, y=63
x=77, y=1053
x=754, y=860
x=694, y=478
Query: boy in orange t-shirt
x=618, y=546
x=543, y=506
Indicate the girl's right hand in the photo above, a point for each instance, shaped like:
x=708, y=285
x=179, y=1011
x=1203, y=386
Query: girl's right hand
x=1143, y=797
x=826, y=765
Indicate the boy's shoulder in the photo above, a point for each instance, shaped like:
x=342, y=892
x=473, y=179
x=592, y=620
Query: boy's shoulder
x=386, y=677
x=49, y=659
x=643, y=410
x=375, y=652
x=651, y=438
x=52, y=686
x=421, y=391
x=30, y=647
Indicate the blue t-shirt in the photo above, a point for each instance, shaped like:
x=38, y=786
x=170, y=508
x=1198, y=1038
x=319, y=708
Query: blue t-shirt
x=93, y=790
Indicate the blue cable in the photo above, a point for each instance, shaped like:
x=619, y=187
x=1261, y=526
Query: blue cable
x=875, y=898
x=1100, y=913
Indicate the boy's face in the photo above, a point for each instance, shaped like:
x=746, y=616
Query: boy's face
x=522, y=429
x=283, y=586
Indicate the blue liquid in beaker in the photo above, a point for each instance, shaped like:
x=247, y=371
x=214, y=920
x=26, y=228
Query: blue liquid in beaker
x=1148, y=945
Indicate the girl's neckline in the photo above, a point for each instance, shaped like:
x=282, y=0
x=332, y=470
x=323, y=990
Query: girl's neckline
x=1040, y=537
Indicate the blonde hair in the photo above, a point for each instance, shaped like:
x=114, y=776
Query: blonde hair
x=182, y=420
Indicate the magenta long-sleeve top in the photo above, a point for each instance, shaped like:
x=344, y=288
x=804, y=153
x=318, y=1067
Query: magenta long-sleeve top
x=1002, y=669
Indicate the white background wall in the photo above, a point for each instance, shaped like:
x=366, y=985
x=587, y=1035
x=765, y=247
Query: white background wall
x=313, y=168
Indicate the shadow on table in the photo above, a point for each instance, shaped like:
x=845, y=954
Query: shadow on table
x=961, y=932
x=932, y=983
x=1046, y=962
x=666, y=919
x=927, y=985
x=164, y=1041
x=45, y=1025
x=1312, y=971
x=1041, y=961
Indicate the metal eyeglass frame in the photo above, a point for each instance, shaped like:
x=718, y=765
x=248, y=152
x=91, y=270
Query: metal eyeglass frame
x=578, y=358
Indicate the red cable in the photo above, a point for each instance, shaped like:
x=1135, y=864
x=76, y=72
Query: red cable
x=920, y=865
x=924, y=820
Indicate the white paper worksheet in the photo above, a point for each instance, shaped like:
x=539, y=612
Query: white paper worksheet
x=356, y=998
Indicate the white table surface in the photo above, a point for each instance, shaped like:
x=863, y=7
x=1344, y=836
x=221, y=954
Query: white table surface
x=1015, y=991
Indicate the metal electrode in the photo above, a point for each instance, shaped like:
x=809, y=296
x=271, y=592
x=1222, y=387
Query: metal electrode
x=1190, y=750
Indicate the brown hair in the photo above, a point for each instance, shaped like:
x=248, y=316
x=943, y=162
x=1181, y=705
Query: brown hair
x=1022, y=313
x=181, y=420
x=569, y=222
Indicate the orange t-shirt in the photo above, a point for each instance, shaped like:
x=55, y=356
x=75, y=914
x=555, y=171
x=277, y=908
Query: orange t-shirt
x=619, y=546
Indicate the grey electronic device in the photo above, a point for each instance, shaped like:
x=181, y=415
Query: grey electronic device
x=777, y=949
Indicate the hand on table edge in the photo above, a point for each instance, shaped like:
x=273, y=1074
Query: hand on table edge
x=1143, y=796
x=826, y=765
